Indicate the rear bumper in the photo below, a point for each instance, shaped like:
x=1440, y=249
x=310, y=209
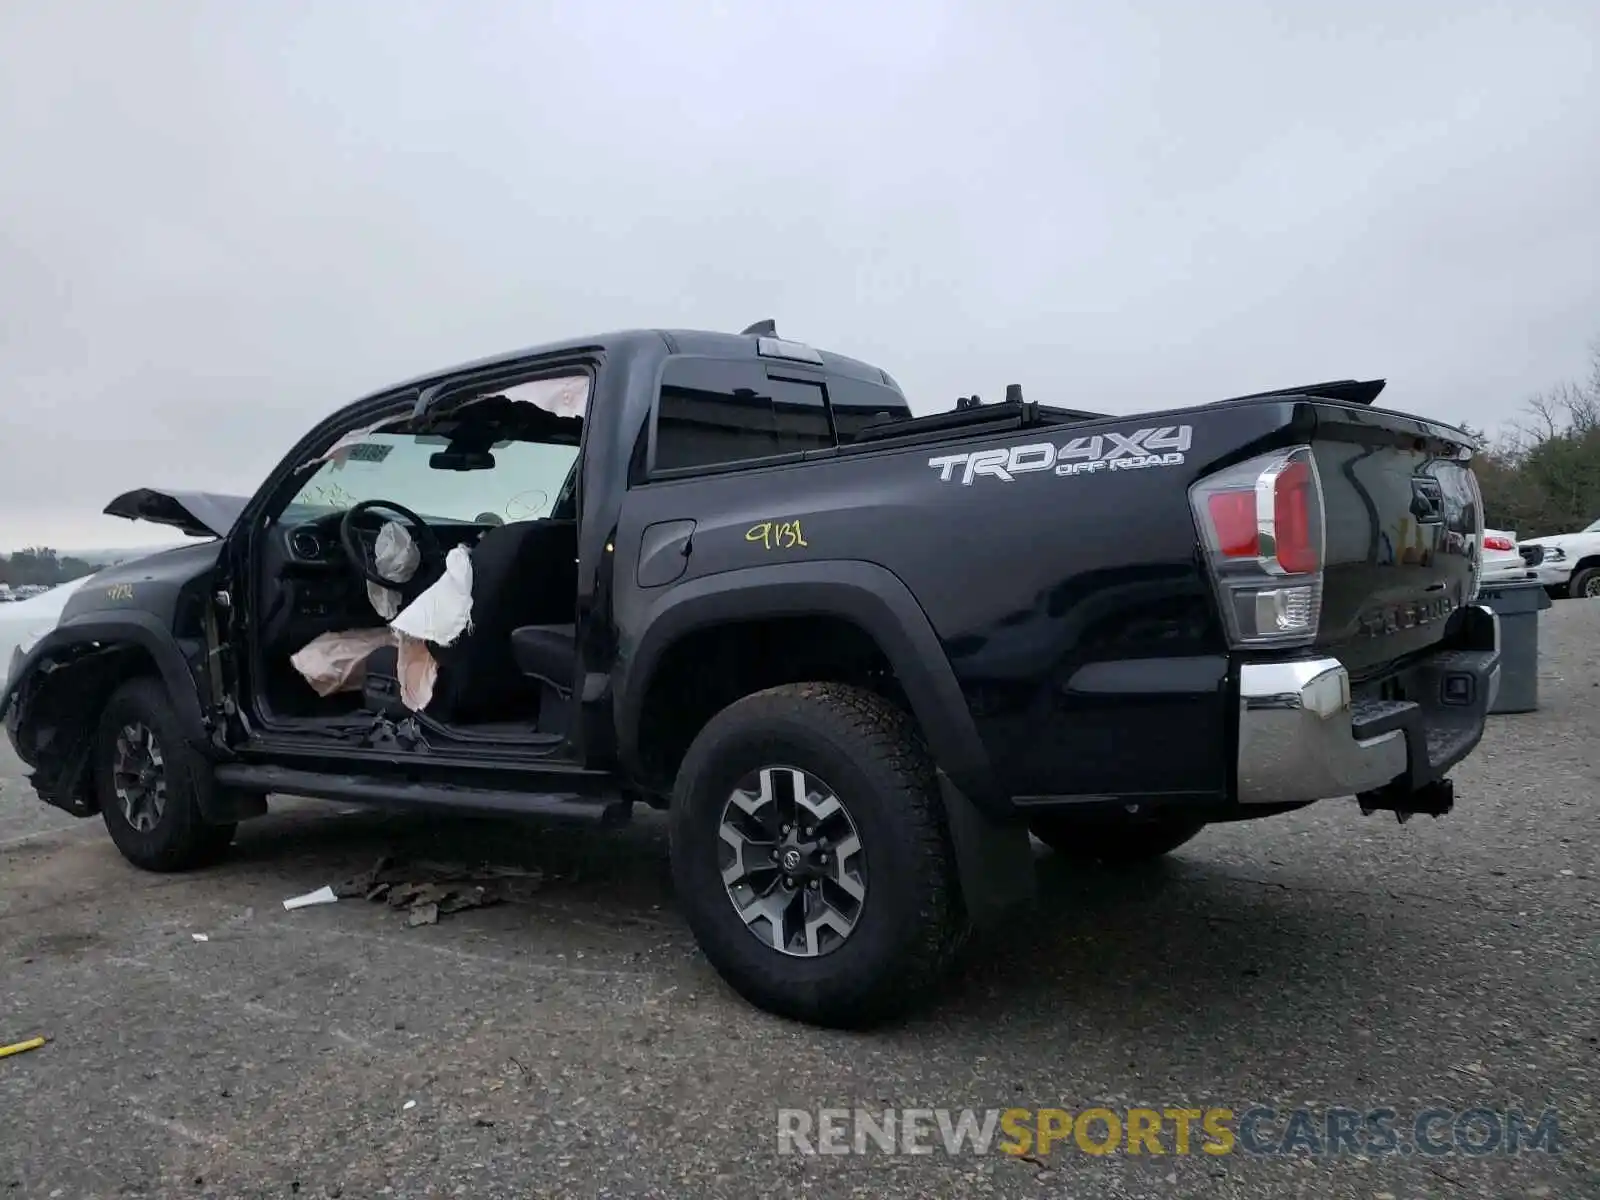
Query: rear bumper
x=1303, y=736
x=1508, y=573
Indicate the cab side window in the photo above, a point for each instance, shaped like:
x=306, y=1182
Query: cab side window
x=713, y=412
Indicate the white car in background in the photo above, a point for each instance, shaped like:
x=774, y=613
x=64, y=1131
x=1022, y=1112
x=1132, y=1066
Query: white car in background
x=1503, y=561
x=1571, y=562
x=24, y=622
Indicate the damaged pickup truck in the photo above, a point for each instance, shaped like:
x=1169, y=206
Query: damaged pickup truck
x=857, y=655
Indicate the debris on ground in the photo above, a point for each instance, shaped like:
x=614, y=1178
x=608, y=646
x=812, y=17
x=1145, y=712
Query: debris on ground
x=323, y=895
x=427, y=891
x=22, y=1047
x=201, y=937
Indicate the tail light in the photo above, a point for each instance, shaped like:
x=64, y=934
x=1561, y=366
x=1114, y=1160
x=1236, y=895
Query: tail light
x=1498, y=543
x=1261, y=525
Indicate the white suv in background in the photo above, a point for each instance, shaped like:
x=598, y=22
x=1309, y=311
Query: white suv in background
x=1571, y=562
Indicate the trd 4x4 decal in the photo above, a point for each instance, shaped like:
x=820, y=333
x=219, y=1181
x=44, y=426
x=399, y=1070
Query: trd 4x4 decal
x=1159, y=446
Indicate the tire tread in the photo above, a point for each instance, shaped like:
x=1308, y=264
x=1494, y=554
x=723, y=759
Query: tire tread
x=885, y=744
x=186, y=841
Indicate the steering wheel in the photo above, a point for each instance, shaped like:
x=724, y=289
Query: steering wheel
x=361, y=553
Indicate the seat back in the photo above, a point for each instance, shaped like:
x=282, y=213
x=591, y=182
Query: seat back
x=524, y=573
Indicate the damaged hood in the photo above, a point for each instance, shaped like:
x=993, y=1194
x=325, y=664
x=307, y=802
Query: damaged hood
x=199, y=514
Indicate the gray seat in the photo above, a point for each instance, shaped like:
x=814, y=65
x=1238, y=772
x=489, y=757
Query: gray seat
x=524, y=573
x=548, y=653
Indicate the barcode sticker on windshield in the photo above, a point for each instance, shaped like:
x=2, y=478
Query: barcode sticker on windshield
x=373, y=452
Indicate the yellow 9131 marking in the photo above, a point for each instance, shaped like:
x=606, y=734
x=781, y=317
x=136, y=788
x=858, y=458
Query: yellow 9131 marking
x=777, y=535
x=120, y=591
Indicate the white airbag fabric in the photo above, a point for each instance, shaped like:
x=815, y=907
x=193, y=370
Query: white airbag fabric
x=444, y=611
x=337, y=662
x=564, y=396
x=440, y=615
x=396, y=557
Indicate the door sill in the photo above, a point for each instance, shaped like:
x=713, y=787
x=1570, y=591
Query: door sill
x=605, y=808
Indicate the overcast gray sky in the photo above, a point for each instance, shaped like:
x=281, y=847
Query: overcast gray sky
x=219, y=221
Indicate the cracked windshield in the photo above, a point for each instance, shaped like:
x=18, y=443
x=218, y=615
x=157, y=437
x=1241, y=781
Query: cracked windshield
x=522, y=486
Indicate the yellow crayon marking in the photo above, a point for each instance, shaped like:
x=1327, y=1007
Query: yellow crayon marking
x=777, y=535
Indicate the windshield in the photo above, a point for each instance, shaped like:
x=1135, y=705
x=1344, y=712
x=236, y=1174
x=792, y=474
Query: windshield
x=523, y=485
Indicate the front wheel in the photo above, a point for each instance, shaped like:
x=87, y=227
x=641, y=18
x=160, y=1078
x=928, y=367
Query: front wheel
x=147, y=780
x=811, y=855
x=1114, y=840
x=1585, y=584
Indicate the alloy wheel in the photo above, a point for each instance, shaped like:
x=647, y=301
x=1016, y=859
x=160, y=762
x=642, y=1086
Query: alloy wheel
x=792, y=861
x=139, y=776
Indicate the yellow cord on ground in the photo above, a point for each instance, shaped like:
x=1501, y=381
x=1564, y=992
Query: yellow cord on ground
x=22, y=1047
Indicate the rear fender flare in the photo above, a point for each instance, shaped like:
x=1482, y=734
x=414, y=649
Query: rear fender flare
x=870, y=596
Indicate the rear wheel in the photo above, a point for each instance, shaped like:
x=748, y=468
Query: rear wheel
x=146, y=778
x=1585, y=584
x=1115, y=840
x=811, y=856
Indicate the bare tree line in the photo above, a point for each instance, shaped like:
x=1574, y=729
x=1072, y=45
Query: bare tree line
x=1541, y=475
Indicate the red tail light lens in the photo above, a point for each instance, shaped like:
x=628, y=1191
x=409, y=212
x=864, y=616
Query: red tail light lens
x=1261, y=532
x=1291, y=509
x=1233, y=517
x=1498, y=543
x=1294, y=541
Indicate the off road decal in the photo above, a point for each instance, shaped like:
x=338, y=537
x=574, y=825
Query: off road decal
x=1158, y=446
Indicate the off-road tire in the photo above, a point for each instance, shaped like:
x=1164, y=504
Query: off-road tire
x=911, y=921
x=1115, y=841
x=1580, y=583
x=180, y=838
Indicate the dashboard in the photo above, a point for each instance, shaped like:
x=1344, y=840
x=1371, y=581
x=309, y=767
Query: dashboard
x=316, y=543
x=309, y=545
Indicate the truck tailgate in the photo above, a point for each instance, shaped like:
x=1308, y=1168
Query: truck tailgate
x=1403, y=521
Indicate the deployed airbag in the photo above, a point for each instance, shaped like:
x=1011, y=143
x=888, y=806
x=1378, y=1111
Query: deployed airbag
x=444, y=611
x=440, y=615
x=337, y=662
x=396, y=556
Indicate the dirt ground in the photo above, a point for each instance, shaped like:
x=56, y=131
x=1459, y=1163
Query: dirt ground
x=574, y=1043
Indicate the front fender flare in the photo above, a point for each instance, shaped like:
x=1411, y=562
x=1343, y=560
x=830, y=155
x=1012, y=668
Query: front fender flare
x=124, y=628
x=870, y=596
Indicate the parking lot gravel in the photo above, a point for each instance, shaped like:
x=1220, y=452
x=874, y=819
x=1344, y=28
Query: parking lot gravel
x=574, y=1043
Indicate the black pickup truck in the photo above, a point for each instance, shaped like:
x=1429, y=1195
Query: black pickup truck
x=858, y=655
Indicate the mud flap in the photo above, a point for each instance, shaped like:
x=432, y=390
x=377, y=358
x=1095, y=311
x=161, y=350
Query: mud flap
x=993, y=858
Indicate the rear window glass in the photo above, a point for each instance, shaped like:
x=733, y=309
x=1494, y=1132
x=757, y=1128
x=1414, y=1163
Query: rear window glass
x=713, y=412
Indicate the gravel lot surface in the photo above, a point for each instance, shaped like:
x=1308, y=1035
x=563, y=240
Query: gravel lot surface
x=577, y=1045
